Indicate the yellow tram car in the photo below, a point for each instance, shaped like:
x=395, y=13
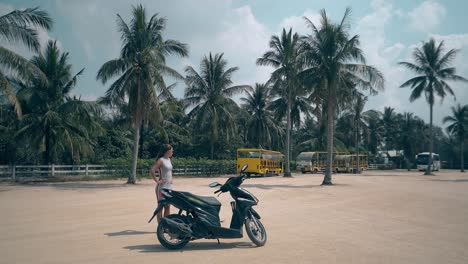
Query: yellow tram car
x=261, y=161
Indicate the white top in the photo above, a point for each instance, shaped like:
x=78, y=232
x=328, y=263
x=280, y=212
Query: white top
x=165, y=173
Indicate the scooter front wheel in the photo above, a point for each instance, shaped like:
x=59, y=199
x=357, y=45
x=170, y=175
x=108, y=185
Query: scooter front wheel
x=256, y=231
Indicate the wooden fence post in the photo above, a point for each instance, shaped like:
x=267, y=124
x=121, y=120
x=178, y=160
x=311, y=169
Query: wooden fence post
x=87, y=170
x=53, y=169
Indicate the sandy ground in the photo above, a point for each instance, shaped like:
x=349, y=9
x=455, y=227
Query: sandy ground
x=378, y=217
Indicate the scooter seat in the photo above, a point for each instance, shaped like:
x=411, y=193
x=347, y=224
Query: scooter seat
x=202, y=199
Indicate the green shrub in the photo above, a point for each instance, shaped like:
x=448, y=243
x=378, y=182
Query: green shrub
x=182, y=167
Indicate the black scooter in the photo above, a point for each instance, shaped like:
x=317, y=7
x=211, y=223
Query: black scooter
x=198, y=216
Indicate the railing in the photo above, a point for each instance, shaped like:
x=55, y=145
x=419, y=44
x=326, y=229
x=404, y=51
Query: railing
x=382, y=166
x=16, y=171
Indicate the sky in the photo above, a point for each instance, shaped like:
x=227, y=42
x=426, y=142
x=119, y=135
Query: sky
x=389, y=31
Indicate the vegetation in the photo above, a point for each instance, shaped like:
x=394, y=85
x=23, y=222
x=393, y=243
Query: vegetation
x=314, y=101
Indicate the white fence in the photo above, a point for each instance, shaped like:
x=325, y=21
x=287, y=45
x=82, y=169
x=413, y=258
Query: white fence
x=17, y=171
x=383, y=166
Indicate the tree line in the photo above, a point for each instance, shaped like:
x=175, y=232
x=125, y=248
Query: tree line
x=314, y=100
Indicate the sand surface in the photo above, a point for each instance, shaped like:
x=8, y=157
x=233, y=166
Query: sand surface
x=378, y=217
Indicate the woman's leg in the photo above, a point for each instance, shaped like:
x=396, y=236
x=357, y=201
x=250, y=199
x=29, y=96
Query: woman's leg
x=158, y=217
x=158, y=197
x=167, y=210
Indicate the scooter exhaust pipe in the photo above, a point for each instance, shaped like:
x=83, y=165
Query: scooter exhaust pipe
x=181, y=229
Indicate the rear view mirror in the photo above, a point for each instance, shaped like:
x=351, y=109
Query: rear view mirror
x=244, y=167
x=214, y=184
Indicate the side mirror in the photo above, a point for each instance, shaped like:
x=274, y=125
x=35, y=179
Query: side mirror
x=244, y=167
x=214, y=184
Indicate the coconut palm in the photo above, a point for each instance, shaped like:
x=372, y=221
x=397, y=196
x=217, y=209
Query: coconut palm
x=262, y=129
x=433, y=69
x=374, y=130
x=313, y=135
x=356, y=114
x=140, y=69
x=337, y=65
x=209, y=94
x=458, y=127
x=285, y=56
x=300, y=105
x=20, y=27
x=54, y=120
x=389, y=123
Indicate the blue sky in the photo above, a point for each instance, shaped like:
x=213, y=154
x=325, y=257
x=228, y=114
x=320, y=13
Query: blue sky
x=389, y=31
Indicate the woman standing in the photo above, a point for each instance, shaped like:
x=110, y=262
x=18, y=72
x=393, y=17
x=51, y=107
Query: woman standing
x=163, y=166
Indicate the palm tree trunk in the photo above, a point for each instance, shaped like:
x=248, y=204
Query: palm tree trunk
x=212, y=148
x=136, y=143
x=287, y=170
x=212, y=141
x=327, y=180
x=141, y=140
x=462, y=156
x=47, y=146
x=358, y=171
x=132, y=177
x=431, y=141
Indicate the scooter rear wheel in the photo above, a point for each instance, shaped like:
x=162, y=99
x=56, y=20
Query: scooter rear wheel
x=166, y=239
x=256, y=231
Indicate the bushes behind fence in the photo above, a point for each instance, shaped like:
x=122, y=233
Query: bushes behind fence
x=182, y=166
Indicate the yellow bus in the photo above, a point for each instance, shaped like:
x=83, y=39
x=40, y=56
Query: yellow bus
x=363, y=162
x=342, y=163
x=311, y=161
x=261, y=161
x=317, y=161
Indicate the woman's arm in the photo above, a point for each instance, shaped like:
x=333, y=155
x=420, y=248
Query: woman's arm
x=156, y=166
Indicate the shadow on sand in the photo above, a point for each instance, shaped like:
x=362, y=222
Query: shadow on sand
x=287, y=186
x=192, y=246
x=455, y=180
x=128, y=233
x=76, y=185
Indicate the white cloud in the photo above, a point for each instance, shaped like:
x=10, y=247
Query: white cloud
x=298, y=23
x=243, y=40
x=208, y=26
x=5, y=9
x=427, y=16
x=381, y=54
x=393, y=52
x=453, y=41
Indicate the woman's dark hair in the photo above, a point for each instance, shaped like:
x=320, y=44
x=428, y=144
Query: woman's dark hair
x=165, y=148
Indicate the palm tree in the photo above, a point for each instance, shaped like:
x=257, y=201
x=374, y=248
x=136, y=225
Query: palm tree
x=405, y=140
x=356, y=114
x=313, y=135
x=374, y=130
x=337, y=65
x=433, y=69
x=459, y=128
x=53, y=118
x=285, y=56
x=261, y=128
x=388, y=121
x=300, y=104
x=140, y=69
x=210, y=94
x=19, y=27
